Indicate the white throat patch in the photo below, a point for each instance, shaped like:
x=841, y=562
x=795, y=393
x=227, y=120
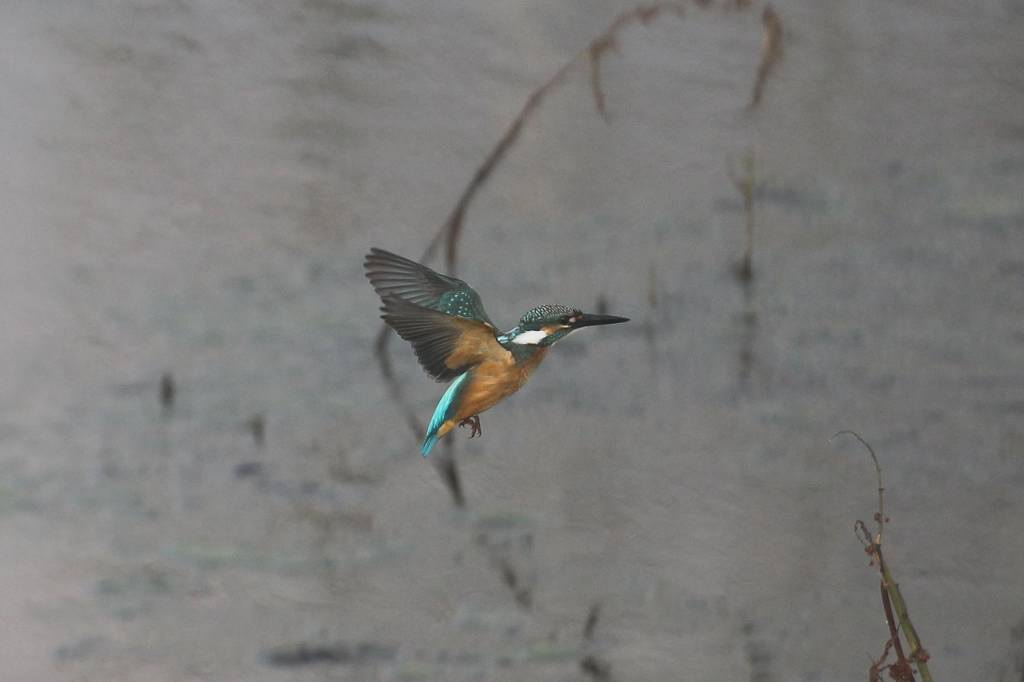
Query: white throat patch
x=530, y=338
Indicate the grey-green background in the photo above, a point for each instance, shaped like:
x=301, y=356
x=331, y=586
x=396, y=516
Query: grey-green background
x=189, y=187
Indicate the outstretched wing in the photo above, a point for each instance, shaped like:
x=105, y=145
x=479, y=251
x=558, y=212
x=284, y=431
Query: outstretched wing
x=446, y=345
x=393, y=275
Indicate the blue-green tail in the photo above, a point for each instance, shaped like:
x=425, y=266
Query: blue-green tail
x=446, y=407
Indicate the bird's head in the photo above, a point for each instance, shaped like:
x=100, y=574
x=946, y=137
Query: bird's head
x=546, y=324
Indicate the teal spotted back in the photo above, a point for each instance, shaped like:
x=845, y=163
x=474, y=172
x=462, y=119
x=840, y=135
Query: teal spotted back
x=393, y=275
x=463, y=302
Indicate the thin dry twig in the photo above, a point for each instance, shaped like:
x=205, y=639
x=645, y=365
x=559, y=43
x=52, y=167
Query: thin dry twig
x=394, y=386
x=892, y=599
x=448, y=467
x=451, y=230
x=522, y=593
x=745, y=184
x=645, y=14
x=590, y=663
x=596, y=50
x=167, y=391
x=880, y=515
x=590, y=624
x=771, y=52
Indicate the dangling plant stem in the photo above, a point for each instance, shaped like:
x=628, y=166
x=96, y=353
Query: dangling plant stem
x=892, y=599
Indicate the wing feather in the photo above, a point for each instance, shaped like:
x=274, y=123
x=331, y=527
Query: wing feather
x=446, y=345
x=394, y=275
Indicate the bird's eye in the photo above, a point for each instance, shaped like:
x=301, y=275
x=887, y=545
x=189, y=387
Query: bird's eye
x=566, y=319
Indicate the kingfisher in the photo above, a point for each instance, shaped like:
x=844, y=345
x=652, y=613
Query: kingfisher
x=454, y=339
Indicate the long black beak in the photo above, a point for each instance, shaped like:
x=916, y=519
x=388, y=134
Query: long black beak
x=591, y=320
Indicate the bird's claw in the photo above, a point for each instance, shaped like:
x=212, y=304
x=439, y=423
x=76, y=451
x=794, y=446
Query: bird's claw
x=473, y=422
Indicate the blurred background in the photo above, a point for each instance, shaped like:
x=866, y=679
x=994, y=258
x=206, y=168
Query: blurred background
x=204, y=476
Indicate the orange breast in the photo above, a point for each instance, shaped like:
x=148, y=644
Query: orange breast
x=494, y=380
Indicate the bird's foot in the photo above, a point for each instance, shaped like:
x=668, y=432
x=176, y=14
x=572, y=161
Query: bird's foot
x=473, y=422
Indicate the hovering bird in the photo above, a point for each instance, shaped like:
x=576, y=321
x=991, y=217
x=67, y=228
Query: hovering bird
x=444, y=320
